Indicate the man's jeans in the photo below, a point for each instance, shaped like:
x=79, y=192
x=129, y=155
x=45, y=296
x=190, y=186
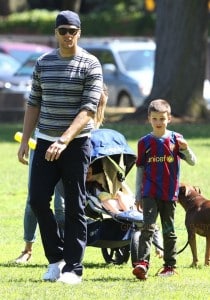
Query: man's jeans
x=72, y=168
x=30, y=220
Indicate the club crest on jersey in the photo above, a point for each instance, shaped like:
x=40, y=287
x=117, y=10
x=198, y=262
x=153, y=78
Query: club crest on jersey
x=170, y=159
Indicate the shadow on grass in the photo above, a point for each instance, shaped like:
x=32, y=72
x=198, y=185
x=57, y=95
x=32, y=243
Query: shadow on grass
x=26, y=265
x=97, y=266
x=30, y=265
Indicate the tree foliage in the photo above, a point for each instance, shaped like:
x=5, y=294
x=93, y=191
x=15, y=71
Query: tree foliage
x=84, y=6
x=181, y=39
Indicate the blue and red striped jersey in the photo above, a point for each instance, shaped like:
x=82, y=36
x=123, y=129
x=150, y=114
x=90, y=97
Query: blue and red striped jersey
x=160, y=159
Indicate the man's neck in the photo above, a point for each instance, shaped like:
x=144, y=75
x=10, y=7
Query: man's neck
x=68, y=52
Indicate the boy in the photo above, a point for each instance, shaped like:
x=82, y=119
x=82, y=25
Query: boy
x=157, y=184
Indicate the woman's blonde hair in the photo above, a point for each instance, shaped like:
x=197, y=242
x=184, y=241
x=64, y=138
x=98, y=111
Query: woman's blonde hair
x=99, y=117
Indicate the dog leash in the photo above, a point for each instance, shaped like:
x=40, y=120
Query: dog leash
x=178, y=252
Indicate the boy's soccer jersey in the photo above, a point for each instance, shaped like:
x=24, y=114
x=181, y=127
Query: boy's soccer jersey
x=160, y=158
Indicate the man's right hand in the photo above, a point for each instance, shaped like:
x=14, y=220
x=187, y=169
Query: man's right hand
x=23, y=153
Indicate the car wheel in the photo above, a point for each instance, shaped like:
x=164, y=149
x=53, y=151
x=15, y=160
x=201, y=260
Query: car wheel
x=135, y=246
x=124, y=100
x=116, y=256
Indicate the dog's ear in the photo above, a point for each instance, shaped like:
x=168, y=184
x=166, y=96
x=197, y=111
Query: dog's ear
x=197, y=189
x=187, y=190
x=183, y=189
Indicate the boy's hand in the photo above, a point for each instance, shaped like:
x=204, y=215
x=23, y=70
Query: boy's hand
x=182, y=144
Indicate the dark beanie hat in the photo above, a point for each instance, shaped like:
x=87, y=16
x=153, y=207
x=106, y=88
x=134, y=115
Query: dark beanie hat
x=67, y=17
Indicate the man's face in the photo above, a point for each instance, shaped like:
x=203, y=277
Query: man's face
x=67, y=36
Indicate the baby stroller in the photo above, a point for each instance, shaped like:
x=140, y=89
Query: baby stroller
x=111, y=161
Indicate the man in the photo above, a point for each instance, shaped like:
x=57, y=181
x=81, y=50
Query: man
x=66, y=88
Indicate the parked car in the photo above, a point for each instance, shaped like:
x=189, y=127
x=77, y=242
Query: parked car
x=21, y=51
x=128, y=68
x=20, y=81
x=15, y=89
x=206, y=92
x=8, y=64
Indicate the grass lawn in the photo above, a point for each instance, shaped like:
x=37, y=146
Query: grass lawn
x=100, y=281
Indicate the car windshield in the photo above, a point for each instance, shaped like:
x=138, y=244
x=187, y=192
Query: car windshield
x=21, y=55
x=27, y=68
x=134, y=60
x=8, y=64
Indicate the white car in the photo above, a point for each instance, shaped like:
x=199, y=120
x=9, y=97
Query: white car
x=206, y=92
x=128, y=68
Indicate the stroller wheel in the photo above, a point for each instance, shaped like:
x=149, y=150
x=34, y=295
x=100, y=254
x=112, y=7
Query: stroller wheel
x=116, y=256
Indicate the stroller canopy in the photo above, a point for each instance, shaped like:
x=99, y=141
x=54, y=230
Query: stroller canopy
x=108, y=142
x=112, y=156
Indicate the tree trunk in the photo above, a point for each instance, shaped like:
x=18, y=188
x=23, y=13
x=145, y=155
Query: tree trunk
x=73, y=5
x=181, y=38
x=4, y=8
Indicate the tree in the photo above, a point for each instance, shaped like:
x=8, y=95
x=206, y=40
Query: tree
x=7, y=7
x=71, y=5
x=181, y=39
x=4, y=8
x=56, y=4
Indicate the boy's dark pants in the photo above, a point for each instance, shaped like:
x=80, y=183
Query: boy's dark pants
x=166, y=209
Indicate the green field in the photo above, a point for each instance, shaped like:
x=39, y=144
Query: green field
x=100, y=281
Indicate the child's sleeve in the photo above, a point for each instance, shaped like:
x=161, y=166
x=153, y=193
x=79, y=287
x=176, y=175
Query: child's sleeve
x=188, y=156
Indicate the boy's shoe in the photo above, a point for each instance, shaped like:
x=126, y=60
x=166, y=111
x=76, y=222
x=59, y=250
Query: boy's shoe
x=70, y=278
x=54, y=271
x=140, y=270
x=24, y=257
x=167, y=271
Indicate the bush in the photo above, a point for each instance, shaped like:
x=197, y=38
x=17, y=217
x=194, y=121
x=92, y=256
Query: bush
x=30, y=22
x=106, y=23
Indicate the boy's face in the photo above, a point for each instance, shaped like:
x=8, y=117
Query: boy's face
x=159, y=122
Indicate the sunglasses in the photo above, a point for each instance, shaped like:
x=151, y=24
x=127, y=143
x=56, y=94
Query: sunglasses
x=71, y=31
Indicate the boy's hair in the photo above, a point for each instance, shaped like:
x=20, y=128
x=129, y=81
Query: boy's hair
x=159, y=105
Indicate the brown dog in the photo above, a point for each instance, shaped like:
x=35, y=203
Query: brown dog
x=197, y=218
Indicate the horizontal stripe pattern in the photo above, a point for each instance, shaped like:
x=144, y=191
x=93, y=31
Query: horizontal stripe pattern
x=62, y=87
